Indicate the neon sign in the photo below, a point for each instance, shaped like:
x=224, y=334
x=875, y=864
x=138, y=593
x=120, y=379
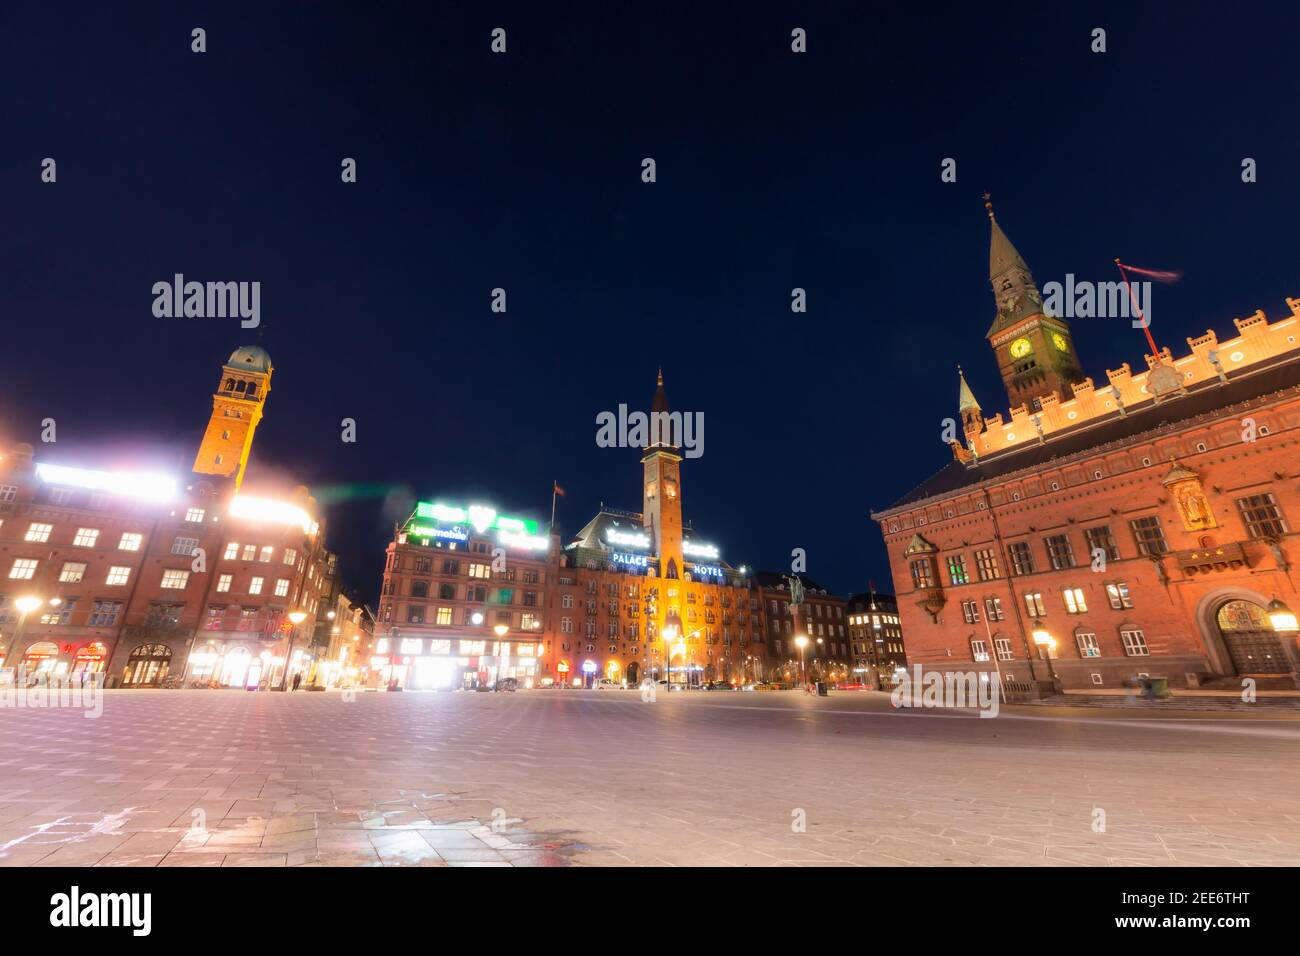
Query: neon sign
x=629, y=539
x=707, y=570
x=151, y=487
x=481, y=517
x=700, y=550
x=631, y=560
x=519, y=540
x=447, y=534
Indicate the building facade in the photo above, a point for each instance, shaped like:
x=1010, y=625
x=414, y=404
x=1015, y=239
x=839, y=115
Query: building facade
x=154, y=578
x=875, y=638
x=1095, y=535
x=820, y=618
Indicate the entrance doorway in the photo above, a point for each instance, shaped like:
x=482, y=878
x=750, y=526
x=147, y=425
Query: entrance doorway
x=1251, y=641
x=147, y=665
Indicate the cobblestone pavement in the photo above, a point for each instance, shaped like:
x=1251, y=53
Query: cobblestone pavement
x=226, y=778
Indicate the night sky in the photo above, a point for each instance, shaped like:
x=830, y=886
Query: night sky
x=522, y=170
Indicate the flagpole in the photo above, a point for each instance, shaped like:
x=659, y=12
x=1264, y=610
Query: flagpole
x=1146, y=326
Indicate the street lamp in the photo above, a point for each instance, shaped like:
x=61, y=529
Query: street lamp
x=1046, y=644
x=25, y=606
x=801, y=642
x=672, y=629
x=296, y=618
x=1282, y=617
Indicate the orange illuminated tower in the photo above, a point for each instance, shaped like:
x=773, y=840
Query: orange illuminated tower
x=1035, y=351
x=236, y=410
x=662, y=510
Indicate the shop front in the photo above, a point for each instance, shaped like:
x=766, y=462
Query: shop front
x=447, y=664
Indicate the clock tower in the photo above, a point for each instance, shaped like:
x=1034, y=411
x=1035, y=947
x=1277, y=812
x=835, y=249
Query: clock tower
x=1035, y=351
x=662, y=490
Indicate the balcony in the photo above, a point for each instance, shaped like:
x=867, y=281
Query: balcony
x=1220, y=557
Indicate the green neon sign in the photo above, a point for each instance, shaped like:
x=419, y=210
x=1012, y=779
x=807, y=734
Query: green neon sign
x=480, y=517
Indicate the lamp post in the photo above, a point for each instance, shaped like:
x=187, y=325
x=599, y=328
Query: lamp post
x=1046, y=644
x=296, y=618
x=25, y=606
x=672, y=629
x=801, y=642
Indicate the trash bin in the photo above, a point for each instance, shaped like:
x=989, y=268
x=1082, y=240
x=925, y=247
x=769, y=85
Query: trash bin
x=1160, y=688
x=821, y=689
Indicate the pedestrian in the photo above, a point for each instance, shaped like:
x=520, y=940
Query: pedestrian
x=297, y=679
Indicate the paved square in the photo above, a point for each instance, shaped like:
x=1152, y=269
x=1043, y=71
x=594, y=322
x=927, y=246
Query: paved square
x=228, y=778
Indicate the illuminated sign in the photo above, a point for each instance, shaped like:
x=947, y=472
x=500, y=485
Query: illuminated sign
x=446, y=534
x=631, y=560
x=270, y=511
x=482, y=517
x=629, y=539
x=707, y=570
x=589, y=667
x=700, y=550
x=151, y=487
x=517, y=539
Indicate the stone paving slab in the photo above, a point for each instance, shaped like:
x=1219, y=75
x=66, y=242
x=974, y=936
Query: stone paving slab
x=549, y=778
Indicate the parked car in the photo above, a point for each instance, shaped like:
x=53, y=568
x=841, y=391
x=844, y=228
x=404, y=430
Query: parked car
x=606, y=684
x=510, y=684
x=717, y=685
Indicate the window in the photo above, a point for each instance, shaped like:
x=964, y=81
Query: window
x=72, y=573
x=970, y=612
x=175, y=580
x=993, y=608
x=986, y=564
x=1087, y=642
x=223, y=582
x=1135, y=642
x=38, y=532
x=59, y=615
x=957, y=572
x=8, y=492
x=130, y=542
x=528, y=622
x=1118, y=596
x=1100, y=539
x=1262, y=517
x=1074, y=601
x=232, y=550
x=184, y=545
x=250, y=552
x=566, y=600
x=566, y=625
x=447, y=592
x=194, y=515
x=290, y=555
x=444, y=616
x=118, y=575
x=281, y=587
x=480, y=571
x=1003, y=646
x=1034, y=604
x=23, y=569
x=267, y=553
x=255, y=586
x=979, y=650
x=1022, y=559
x=1059, y=552
x=104, y=613
x=414, y=615
x=923, y=573
x=1149, y=536
x=86, y=537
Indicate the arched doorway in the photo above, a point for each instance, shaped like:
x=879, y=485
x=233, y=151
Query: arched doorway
x=147, y=665
x=41, y=658
x=633, y=672
x=90, y=659
x=1252, y=644
x=234, y=668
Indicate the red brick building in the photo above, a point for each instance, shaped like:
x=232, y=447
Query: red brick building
x=145, y=576
x=1102, y=533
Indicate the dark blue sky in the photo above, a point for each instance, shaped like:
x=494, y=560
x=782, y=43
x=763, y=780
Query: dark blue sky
x=523, y=171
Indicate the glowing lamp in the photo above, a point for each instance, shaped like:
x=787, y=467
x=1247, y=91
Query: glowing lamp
x=1282, y=617
x=501, y=630
x=28, y=604
x=270, y=511
x=801, y=642
x=143, y=485
x=476, y=618
x=297, y=616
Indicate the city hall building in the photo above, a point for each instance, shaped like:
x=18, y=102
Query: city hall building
x=149, y=576
x=1101, y=531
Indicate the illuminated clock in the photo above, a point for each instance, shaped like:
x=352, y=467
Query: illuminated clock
x=1059, y=341
x=1020, y=348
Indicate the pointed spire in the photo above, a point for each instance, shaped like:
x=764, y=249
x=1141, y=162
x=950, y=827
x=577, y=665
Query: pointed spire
x=1014, y=292
x=965, y=397
x=1002, y=254
x=660, y=403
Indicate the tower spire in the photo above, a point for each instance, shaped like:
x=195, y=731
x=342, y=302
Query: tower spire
x=972, y=418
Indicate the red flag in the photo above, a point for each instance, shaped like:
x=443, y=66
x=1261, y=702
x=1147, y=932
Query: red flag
x=557, y=489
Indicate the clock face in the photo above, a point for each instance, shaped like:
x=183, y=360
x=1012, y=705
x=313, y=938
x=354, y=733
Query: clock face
x=1059, y=341
x=1020, y=348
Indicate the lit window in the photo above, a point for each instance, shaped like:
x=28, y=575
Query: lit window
x=1118, y=595
x=118, y=575
x=1003, y=646
x=38, y=532
x=265, y=556
x=86, y=537
x=281, y=587
x=255, y=586
x=175, y=580
x=232, y=550
x=1074, y=601
x=250, y=552
x=1135, y=642
x=130, y=542
x=184, y=545
x=1034, y=604
x=223, y=582
x=979, y=650
x=444, y=616
x=1087, y=644
x=957, y=572
x=23, y=569
x=194, y=515
x=72, y=573
x=290, y=555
